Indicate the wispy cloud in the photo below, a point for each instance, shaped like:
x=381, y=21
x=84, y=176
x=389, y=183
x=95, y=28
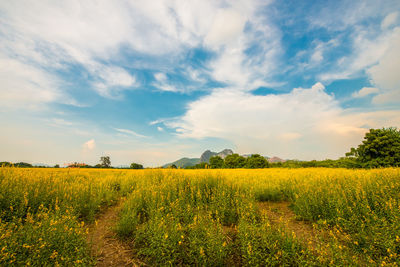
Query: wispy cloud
x=365, y=91
x=130, y=132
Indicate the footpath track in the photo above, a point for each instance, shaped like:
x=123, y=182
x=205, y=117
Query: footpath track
x=106, y=248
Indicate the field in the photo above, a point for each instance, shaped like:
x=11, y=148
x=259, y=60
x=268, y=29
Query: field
x=273, y=217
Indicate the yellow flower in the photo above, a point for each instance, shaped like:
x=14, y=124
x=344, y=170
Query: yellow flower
x=54, y=254
x=201, y=251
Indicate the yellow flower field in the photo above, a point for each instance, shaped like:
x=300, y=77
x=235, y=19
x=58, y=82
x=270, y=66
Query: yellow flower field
x=203, y=217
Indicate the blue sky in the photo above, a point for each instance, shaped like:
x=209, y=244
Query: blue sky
x=153, y=81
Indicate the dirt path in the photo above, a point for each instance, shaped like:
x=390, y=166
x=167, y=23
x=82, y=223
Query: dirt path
x=105, y=245
x=281, y=215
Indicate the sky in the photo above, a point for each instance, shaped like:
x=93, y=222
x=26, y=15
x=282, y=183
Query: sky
x=153, y=81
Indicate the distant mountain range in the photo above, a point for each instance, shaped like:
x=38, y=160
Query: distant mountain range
x=205, y=157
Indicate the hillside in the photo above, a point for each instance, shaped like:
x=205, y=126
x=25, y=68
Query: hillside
x=183, y=162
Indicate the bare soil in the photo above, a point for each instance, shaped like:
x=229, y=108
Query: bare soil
x=105, y=245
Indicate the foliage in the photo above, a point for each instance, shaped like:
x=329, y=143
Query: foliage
x=380, y=148
x=43, y=212
x=180, y=220
x=201, y=165
x=202, y=217
x=216, y=162
x=234, y=161
x=256, y=161
x=105, y=162
x=18, y=164
x=183, y=163
x=136, y=166
x=345, y=162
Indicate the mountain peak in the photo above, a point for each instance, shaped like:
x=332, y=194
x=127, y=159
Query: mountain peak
x=205, y=157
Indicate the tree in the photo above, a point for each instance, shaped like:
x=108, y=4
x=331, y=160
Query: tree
x=380, y=148
x=105, y=162
x=136, y=166
x=216, y=162
x=23, y=165
x=234, y=161
x=256, y=161
x=173, y=166
x=56, y=166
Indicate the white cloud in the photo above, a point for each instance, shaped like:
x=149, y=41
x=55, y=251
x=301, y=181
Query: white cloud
x=163, y=84
x=130, y=132
x=25, y=86
x=385, y=74
x=161, y=77
x=54, y=35
x=389, y=20
x=227, y=26
x=305, y=123
x=112, y=80
x=160, y=129
x=365, y=91
x=89, y=145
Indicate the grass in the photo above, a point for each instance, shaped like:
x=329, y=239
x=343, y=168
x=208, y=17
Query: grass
x=202, y=217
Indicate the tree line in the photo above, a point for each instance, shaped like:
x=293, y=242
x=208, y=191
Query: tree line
x=380, y=148
x=234, y=161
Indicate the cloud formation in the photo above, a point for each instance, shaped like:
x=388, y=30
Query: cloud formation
x=130, y=132
x=308, y=123
x=365, y=91
x=89, y=145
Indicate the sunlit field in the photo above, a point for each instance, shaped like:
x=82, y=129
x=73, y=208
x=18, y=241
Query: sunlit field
x=204, y=217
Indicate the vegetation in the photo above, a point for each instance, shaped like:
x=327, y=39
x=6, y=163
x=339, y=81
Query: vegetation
x=43, y=213
x=18, y=164
x=256, y=161
x=136, y=166
x=105, y=162
x=380, y=148
x=183, y=163
x=202, y=217
x=216, y=162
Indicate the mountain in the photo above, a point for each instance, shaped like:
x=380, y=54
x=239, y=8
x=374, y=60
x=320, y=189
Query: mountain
x=275, y=159
x=205, y=157
x=183, y=162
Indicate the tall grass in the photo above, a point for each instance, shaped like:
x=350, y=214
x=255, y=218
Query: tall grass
x=201, y=217
x=43, y=212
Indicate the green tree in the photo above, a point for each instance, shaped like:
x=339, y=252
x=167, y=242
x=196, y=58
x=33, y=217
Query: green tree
x=234, y=161
x=256, y=161
x=105, y=162
x=23, y=165
x=136, y=166
x=216, y=162
x=380, y=148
